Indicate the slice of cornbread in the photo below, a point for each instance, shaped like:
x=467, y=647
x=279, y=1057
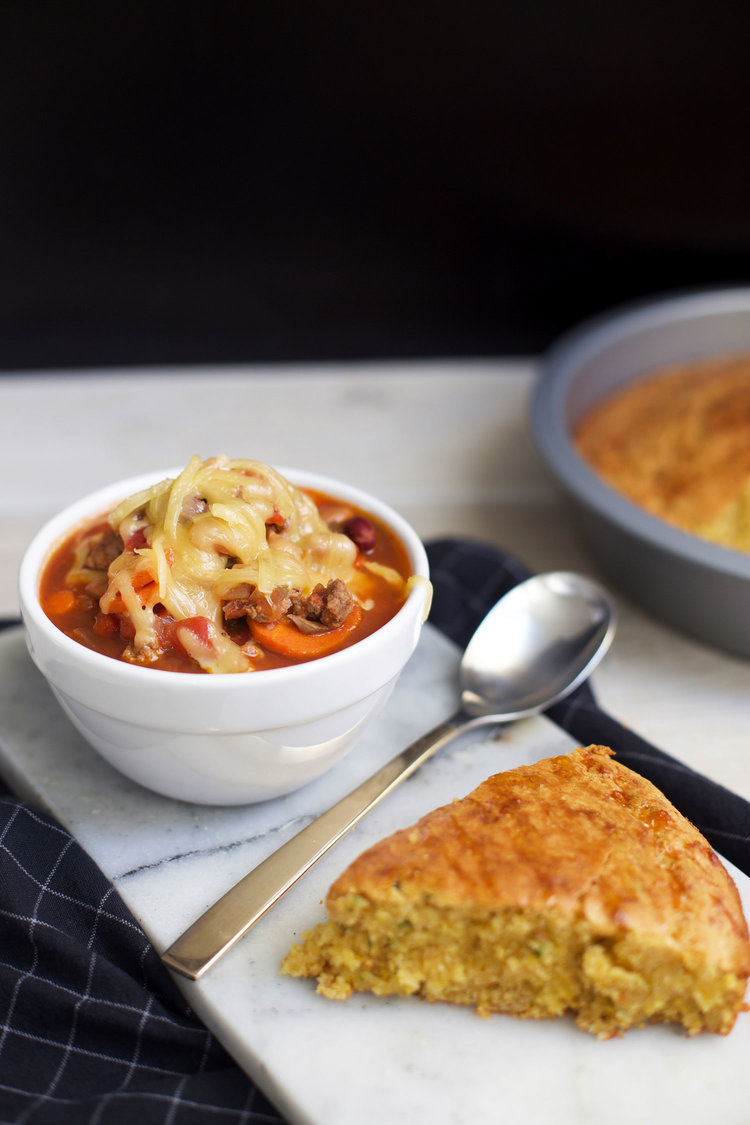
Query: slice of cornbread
x=571, y=885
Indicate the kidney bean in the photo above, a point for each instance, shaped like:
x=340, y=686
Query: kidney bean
x=362, y=532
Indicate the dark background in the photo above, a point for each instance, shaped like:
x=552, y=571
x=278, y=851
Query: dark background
x=212, y=181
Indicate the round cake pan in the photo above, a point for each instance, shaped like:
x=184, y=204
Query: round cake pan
x=695, y=586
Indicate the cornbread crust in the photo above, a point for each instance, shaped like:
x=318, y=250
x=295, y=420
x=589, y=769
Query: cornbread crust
x=677, y=443
x=571, y=885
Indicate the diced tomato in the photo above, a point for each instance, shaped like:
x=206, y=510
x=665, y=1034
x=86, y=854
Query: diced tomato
x=200, y=627
x=136, y=540
x=276, y=519
x=105, y=624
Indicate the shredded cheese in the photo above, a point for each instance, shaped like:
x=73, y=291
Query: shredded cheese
x=207, y=531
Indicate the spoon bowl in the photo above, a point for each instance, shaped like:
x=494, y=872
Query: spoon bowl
x=531, y=650
x=535, y=646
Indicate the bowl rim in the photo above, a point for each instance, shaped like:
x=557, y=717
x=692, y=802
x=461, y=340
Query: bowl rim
x=551, y=432
x=56, y=528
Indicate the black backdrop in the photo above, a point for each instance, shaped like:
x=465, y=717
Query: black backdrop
x=198, y=180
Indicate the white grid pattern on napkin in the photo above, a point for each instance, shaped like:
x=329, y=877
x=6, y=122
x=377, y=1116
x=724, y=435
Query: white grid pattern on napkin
x=92, y=1031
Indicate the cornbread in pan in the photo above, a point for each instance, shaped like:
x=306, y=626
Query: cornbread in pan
x=568, y=886
x=677, y=443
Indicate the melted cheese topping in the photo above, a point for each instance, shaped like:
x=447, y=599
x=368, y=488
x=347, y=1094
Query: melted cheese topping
x=190, y=540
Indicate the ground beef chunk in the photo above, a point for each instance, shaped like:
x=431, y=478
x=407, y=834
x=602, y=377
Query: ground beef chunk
x=103, y=549
x=245, y=600
x=325, y=608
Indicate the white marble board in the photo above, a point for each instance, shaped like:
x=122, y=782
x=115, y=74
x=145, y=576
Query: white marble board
x=365, y=1061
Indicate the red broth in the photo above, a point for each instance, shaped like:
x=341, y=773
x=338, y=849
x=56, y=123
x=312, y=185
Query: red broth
x=74, y=608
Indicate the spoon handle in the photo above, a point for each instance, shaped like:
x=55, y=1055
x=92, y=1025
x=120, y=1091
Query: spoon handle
x=229, y=919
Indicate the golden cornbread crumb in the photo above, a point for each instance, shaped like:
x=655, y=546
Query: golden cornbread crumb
x=572, y=885
x=677, y=443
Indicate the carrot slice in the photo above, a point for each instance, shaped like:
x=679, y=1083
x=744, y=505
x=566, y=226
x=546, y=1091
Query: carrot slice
x=146, y=590
x=61, y=602
x=284, y=638
x=117, y=605
x=140, y=579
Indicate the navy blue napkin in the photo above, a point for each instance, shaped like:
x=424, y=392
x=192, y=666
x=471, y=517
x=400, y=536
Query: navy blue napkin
x=92, y=1027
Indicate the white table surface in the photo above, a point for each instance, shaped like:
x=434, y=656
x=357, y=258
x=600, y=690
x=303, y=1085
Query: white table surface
x=447, y=443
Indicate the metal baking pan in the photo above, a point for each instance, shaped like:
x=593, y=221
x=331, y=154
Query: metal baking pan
x=695, y=586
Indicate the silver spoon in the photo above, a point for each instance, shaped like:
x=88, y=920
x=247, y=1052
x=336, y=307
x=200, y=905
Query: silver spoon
x=537, y=644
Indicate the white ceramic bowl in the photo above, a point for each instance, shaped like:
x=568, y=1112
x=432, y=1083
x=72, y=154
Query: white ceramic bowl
x=221, y=739
x=698, y=587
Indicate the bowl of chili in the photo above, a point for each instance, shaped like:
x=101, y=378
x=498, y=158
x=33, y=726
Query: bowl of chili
x=175, y=718
x=698, y=587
